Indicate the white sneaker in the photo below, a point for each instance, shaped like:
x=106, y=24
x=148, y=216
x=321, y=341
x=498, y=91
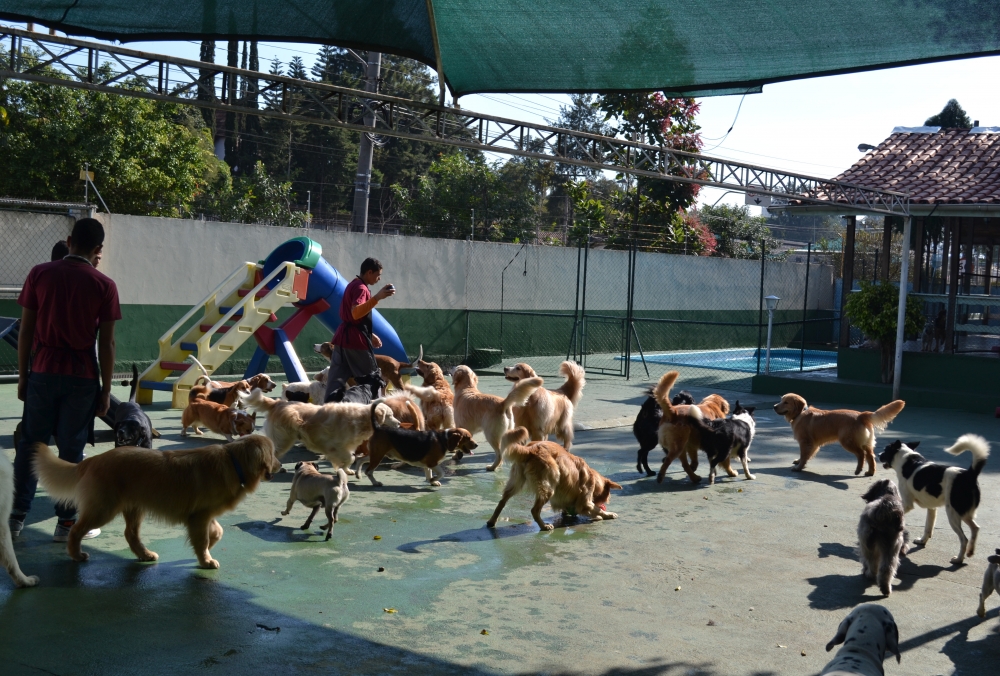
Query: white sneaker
x=63, y=528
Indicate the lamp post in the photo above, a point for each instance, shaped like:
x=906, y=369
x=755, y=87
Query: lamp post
x=772, y=305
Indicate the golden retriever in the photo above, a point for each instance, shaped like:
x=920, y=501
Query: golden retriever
x=554, y=475
x=549, y=411
x=855, y=431
x=219, y=418
x=488, y=413
x=190, y=487
x=678, y=437
x=436, y=397
x=333, y=431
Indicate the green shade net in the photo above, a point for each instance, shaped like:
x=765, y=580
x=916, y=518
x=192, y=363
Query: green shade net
x=696, y=47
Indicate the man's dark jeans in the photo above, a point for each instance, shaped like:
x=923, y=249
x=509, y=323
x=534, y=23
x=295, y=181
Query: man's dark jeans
x=58, y=405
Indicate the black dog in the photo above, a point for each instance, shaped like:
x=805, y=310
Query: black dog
x=727, y=437
x=646, y=426
x=132, y=425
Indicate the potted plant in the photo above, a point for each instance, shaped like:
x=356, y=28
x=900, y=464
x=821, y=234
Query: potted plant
x=873, y=310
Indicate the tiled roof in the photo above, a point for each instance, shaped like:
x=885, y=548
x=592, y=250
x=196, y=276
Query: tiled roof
x=950, y=166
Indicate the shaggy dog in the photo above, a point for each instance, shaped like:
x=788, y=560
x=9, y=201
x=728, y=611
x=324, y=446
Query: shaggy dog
x=549, y=411
x=991, y=582
x=219, y=418
x=931, y=485
x=868, y=633
x=333, y=431
x=436, y=398
x=677, y=435
x=132, y=425
x=190, y=487
x=881, y=534
x=855, y=431
x=646, y=427
x=7, y=557
x=554, y=475
x=316, y=490
x=727, y=437
x=488, y=413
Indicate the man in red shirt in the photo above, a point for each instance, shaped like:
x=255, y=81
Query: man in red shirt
x=67, y=308
x=354, y=344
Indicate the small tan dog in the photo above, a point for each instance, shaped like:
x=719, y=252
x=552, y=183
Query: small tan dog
x=549, y=411
x=855, y=431
x=436, y=397
x=868, y=633
x=218, y=418
x=487, y=413
x=316, y=490
x=554, y=475
x=190, y=487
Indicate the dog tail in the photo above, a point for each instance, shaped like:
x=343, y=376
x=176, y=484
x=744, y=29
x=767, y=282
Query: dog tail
x=883, y=416
x=58, y=476
x=662, y=395
x=258, y=402
x=135, y=383
x=575, y=381
x=197, y=363
x=428, y=394
x=519, y=394
x=417, y=415
x=979, y=448
x=512, y=443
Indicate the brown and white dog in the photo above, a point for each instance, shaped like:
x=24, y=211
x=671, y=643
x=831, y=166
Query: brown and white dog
x=333, y=431
x=678, y=436
x=554, y=475
x=854, y=430
x=218, y=418
x=487, y=413
x=435, y=395
x=226, y=393
x=549, y=411
x=387, y=365
x=190, y=487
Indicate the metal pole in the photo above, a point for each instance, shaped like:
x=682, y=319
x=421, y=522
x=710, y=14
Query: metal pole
x=472, y=235
x=770, y=320
x=904, y=275
x=628, y=310
x=502, y=273
x=576, y=308
x=583, y=304
x=805, y=308
x=760, y=310
x=362, y=181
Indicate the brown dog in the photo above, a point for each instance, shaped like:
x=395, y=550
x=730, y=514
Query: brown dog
x=226, y=393
x=219, y=418
x=855, y=431
x=436, y=397
x=549, y=411
x=190, y=487
x=678, y=437
x=554, y=475
x=422, y=449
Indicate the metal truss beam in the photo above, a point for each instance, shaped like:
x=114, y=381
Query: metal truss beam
x=98, y=67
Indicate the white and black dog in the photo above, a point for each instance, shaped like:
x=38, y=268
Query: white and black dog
x=991, y=582
x=881, y=534
x=132, y=425
x=728, y=437
x=868, y=633
x=930, y=485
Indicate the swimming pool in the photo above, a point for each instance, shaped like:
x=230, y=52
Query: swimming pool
x=744, y=359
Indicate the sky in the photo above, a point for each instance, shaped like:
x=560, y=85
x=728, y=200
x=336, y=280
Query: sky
x=810, y=127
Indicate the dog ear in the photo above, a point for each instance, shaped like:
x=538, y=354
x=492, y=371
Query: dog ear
x=750, y=409
x=913, y=445
x=841, y=634
x=612, y=484
x=892, y=639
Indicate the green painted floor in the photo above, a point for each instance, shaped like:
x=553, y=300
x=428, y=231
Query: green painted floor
x=739, y=578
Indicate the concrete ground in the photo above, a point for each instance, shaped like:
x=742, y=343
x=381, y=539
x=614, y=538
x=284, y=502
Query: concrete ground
x=744, y=577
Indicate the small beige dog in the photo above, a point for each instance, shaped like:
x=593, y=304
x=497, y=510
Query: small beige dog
x=991, y=582
x=316, y=490
x=868, y=633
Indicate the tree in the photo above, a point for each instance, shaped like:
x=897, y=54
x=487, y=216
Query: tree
x=952, y=116
x=258, y=198
x=873, y=310
x=583, y=114
x=738, y=233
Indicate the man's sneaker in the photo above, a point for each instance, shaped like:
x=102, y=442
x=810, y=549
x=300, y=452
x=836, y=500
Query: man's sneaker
x=16, y=524
x=63, y=528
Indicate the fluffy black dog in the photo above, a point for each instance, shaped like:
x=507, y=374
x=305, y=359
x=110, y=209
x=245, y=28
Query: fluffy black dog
x=132, y=425
x=881, y=534
x=728, y=437
x=646, y=426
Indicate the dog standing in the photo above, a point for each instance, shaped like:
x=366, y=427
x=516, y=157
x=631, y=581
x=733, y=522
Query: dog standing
x=219, y=418
x=931, y=485
x=678, y=437
x=868, y=633
x=435, y=395
x=554, y=475
x=388, y=366
x=190, y=487
x=991, y=582
x=727, y=438
x=549, y=411
x=316, y=490
x=7, y=556
x=881, y=534
x=226, y=393
x=646, y=427
x=132, y=425
x=855, y=431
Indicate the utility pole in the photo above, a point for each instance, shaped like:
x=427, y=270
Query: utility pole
x=362, y=180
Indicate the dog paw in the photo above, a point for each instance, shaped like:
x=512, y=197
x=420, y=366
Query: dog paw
x=608, y=515
x=210, y=564
x=491, y=524
x=920, y=541
x=285, y=513
x=435, y=483
x=32, y=580
x=377, y=484
x=981, y=611
x=547, y=526
x=797, y=468
x=751, y=477
x=148, y=556
x=957, y=560
x=81, y=557
x=871, y=473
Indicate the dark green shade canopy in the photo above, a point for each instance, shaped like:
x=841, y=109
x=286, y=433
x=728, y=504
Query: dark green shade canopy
x=695, y=47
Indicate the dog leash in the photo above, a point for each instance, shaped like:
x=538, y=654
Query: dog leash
x=239, y=470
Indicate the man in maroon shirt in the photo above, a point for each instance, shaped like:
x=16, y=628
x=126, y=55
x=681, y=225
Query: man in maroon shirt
x=354, y=344
x=67, y=307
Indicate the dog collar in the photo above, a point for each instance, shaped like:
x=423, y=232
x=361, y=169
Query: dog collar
x=239, y=470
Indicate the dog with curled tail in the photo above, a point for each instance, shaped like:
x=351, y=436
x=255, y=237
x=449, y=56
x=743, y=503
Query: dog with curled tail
x=867, y=633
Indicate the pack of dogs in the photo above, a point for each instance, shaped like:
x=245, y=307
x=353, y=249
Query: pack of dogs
x=433, y=424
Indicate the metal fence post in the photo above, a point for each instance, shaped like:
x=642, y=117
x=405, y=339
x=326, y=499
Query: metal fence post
x=805, y=309
x=760, y=309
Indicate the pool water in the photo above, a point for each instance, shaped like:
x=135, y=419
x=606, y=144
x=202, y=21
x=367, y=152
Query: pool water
x=745, y=359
